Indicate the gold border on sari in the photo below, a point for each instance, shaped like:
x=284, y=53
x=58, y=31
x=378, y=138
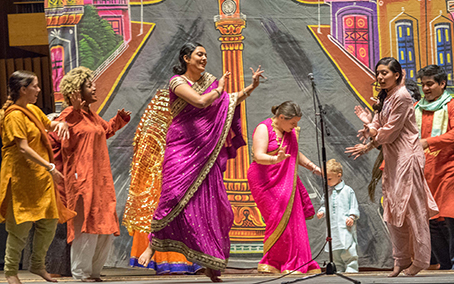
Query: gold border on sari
x=157, y=225
x=190, y=254
x=266, y=268
x=200, y=86
x=288, y=211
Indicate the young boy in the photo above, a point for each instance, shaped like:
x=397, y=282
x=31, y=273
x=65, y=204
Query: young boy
x=344, y=212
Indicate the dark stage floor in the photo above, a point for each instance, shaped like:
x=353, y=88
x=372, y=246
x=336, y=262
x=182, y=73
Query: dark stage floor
x=119, y=275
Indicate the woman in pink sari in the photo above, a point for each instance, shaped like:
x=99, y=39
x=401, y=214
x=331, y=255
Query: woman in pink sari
x=279, y=193
x=194, y=216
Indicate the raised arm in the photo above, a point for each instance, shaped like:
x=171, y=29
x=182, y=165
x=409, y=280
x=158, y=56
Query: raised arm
x=182, y=89
x=246, y=92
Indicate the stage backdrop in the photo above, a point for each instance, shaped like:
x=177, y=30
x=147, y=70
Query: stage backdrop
x=131, y=45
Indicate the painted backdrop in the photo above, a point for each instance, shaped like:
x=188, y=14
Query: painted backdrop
x=132, y=44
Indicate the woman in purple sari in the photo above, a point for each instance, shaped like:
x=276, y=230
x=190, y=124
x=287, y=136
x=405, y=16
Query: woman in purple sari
x=194, y=216
x=279, y=193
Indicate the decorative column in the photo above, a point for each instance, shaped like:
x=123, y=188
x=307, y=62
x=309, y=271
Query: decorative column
x=248, y=225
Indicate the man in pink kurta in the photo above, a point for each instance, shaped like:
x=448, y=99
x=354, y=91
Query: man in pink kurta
x=408, y=203
x=435, y=118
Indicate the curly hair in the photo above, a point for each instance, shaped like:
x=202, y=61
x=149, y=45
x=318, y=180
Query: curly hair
x=333, y=166
x=73, y=82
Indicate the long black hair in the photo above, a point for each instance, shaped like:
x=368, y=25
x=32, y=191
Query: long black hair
x=395, y=67
x=187, y=49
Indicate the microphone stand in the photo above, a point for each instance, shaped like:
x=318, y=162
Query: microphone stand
x=330, y=267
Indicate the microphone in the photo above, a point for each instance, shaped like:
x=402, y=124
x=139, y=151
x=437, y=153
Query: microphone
x=310, y=76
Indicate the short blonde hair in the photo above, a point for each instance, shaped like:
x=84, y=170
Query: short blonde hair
x=333, y=166
x=73, y=82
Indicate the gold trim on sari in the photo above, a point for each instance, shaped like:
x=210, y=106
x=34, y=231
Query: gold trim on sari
x=157, y=225
x=288, y=211
x=200, y=86
x=149, y=147
x=266, y=268
x=190, y=254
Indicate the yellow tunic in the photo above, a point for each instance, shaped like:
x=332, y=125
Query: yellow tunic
x=32, y=187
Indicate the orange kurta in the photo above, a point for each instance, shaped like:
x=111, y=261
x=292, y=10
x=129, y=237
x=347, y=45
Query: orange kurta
x=86, y=167
x=439, y=170
x=32, y=187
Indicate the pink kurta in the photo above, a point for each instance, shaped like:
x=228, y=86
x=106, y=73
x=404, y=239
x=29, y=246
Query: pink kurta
x=86, y=167
x=404, y=172
x=407, y=201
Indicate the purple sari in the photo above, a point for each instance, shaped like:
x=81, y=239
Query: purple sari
x=284, y=204
x=194, y=216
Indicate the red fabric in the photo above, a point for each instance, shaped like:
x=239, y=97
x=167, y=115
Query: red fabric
x=85, y=164
x=439, y=169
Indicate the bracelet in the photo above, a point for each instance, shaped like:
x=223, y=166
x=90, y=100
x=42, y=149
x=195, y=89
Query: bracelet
x=315, y=169
x=246, y=93
x=219, y=94
x=52, y=167
x=273, y=160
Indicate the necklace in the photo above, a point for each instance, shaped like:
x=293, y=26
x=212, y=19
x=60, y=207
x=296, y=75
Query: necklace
x=277, y=137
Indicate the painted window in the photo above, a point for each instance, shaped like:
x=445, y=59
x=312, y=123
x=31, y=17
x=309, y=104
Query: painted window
x=356, y=37
x=57, y=57
x=406, y=47
x=444, y=48
x=116, y=25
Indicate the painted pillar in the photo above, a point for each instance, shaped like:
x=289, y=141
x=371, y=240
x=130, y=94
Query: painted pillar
x=248, y=225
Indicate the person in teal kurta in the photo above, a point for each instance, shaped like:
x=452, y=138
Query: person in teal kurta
x=344, y=212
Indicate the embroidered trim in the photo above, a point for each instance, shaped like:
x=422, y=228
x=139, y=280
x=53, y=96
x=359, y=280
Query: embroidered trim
x=157, y=225
x=191, y=255
x=288, y=211
x=177, y=81
x=200, y=87
x=266, y=268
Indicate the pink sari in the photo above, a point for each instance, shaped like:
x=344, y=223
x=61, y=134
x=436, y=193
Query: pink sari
x=284, y=203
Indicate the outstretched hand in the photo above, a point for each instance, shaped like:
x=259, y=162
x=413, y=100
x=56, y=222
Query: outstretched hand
x=222, y=81
x=281, y=154
x=356, y=151
x=363, y=114
x=125, y=115
x=76, y=100
x=256, y=75
x=62, y=130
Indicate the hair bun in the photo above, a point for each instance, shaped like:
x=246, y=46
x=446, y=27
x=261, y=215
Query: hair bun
x=274, y=109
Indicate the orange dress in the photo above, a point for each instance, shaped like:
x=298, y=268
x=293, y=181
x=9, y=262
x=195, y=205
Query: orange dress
x=31, y=185
x=86, y=167
x=439, y=169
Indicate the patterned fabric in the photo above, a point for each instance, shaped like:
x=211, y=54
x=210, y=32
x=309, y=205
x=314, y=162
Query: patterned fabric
x=194, y=215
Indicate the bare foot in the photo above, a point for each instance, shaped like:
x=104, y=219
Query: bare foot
x=87, y=279
x=146, y=256
x=13, y=279
x=43, y=273
x=397, y=270
x=213, y=275
x=412, y=270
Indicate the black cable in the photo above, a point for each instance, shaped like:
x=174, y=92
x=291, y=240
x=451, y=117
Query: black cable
x=282, y=276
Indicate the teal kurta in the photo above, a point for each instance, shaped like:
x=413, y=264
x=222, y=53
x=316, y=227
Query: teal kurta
x=342, y=204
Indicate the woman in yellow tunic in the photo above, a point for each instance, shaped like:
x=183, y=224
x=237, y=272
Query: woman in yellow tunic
x=27, y=194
